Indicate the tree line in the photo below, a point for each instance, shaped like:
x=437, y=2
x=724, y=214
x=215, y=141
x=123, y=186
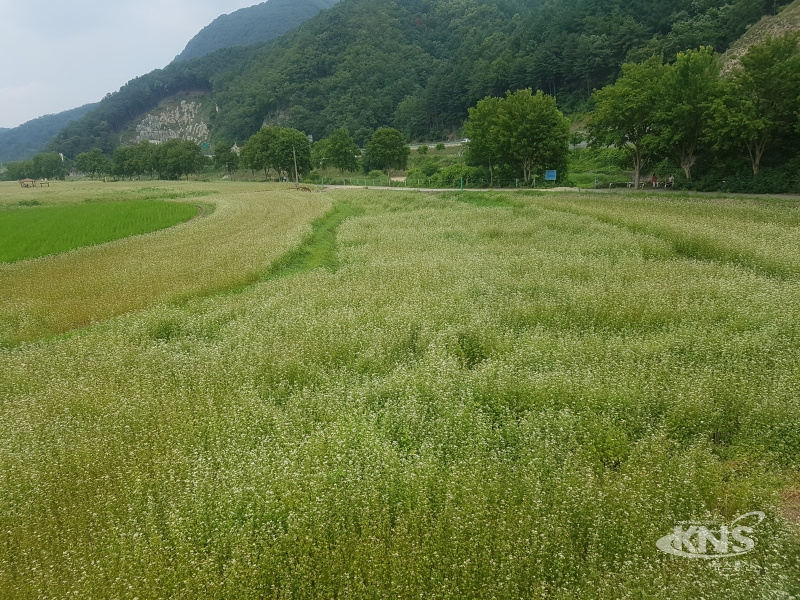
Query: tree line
x=171, y=160
x=689, y=114
x=45, y=165
x=284, y=152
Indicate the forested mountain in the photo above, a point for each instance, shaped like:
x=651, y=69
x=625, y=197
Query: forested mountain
x=419, y=64
x=20, y=143
x=101, y=127
x=252, y=25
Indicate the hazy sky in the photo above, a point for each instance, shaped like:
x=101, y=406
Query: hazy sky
x=61, y=54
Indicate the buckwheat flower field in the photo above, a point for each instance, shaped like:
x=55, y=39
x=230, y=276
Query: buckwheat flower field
x=380, y=394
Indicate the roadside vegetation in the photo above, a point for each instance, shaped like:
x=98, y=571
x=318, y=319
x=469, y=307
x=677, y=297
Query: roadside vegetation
x=417, y=395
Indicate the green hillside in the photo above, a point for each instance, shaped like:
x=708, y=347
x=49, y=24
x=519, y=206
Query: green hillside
x=418, y=64
x=253, y=25
x=785, y=21
x=20, y=143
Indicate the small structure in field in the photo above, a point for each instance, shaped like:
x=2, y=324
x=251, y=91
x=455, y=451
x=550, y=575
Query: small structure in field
x=27, y=183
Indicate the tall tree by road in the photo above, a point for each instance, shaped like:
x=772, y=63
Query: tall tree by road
x=387, y=150
x=760, y=105
x=525, y=131
x=340, y=151
x=257, y=153
x=291, y=148
x=482, y=129
x=626, y=113
x=535, y=135
x=691, y=87
x=277, y=148
x=225, y=158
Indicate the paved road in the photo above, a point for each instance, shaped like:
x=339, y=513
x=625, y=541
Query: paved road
x=564, y=189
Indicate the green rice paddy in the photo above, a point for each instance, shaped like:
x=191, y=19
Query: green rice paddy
x=28, y=230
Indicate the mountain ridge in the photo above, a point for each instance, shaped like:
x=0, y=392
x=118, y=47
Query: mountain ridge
x=252, y=25
x=25, y=140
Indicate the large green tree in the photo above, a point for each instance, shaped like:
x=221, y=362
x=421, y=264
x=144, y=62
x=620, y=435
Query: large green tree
x=258, y=151
x=49, y=165
x=291, y=154
x=125, y=163
x=278, y=148
x=534, y=135
x=133, y=161
x=759, y=107
x=387, y=150
x=92, y=163
x=145, y=158
x=176, y=158
x=20, y=169
x=626, y=113
x=341, y=151
x=225, y=158
x=482, y=129
x=691, y=87
x=525, y=131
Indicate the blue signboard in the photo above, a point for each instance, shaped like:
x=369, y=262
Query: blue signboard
x=549, y=175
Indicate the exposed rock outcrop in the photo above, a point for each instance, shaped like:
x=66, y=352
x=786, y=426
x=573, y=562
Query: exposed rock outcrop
x=181, y=122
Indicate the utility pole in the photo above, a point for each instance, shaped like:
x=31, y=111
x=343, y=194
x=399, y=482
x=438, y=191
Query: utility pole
x=296, y=176
x=461, y=167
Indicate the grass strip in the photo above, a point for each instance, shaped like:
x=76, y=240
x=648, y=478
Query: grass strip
x=319, y=249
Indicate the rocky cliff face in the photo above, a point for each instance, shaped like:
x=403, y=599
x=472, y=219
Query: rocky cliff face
x=181, y=122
